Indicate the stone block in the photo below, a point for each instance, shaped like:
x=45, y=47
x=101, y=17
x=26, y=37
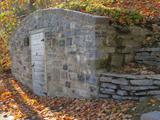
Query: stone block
x=107, y=91
x=109, y=85
x=128, y=42
x=109, y=49
x=148, y=49
x=138, y=88
x=156, y=82
x=105, y=79
x=117, y=60
x=141, y=93
x=117, y=97
x=154, y=92
x=126, y=50
x=72, y=68
x=126, y=76
x=151, y=116
x=122, y=92
x=73, y=76
x=91, y=55
x=128, y=58
x=157, y=54
x=145, y=54
x=56, y=63
x=83, y=93
x=120, y=81
x=143, y=57
x=104, y=96
x=130, y=98
x=141, y=82
x=63, y=75
x=101, y=54
x=91, y=79
x=56, y=74
x=154, y=77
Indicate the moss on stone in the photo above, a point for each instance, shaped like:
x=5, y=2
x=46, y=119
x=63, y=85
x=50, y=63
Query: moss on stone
x=103, y=63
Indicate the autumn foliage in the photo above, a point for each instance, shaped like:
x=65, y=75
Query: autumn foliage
x=17, y=101
x=8, y=22
x=121, y=11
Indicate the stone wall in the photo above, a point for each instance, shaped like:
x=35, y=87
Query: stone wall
x=76, y=46
x=116, y=48
x=70, y=51
x=125, y=86
x=116, y=44
x=148, y=56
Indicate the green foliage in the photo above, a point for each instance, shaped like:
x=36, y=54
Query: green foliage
x=120, y=15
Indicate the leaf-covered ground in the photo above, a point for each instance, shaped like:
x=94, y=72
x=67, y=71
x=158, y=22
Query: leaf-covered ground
x=137, y=69
x=17, y=101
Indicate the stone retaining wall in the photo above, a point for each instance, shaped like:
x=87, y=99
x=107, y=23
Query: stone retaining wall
x=149, y=56
x=124, y=86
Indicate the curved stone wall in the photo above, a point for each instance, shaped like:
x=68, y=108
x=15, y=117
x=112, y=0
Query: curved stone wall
x=125, y=86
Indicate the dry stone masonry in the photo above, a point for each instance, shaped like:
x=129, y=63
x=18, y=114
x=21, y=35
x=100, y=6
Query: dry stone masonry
x=148, y=56
x=127, y=86
x=59, y=52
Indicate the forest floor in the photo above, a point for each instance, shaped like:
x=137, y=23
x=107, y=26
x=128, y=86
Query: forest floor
x=17, y=102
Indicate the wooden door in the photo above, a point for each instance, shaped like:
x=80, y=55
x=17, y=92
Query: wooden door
x=38, y=65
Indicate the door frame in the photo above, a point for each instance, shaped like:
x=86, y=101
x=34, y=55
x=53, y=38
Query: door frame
x=42, y=30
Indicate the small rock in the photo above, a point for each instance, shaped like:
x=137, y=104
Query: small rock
x=151, y=116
